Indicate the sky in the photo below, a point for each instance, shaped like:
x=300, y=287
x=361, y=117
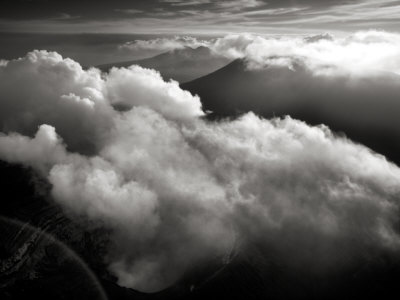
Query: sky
x=198, y=16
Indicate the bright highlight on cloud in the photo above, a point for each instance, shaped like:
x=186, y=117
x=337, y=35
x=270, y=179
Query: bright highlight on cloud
x=176, y=189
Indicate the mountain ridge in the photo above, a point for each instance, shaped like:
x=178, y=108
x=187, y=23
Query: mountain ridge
x=179, y=64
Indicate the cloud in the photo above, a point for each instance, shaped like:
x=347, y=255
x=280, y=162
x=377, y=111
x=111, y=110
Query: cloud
x=318, y=79
x=239, y=4
x=212, y=17
x=42, y=151
x=175, y=189
x=58, y=92
x=365, y=51
x=65, y=16
x=160, y=45
x=186, y=3
x=361, y=52
x=128, y=11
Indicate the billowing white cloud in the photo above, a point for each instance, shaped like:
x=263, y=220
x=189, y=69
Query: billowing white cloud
x=176, y=189
x=44, y=88
x=149, y=89
x=58, y=92
x=42, y=151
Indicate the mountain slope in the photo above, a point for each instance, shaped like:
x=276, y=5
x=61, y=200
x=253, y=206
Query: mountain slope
x=323, y=99
x=181, y=64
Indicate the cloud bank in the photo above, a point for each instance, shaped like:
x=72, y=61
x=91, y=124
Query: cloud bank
x=175, y=189
x=206, y=17
x=159, y=45
x=361, y=52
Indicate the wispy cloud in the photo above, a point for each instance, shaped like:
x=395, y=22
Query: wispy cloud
x=128, y=11
x=186, y=3
x=220, y=17
x=239, y=4
x=258, y=16
x=65, y=16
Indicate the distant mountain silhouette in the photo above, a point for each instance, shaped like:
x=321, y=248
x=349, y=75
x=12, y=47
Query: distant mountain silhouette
x=180, y=64
x=364, y=108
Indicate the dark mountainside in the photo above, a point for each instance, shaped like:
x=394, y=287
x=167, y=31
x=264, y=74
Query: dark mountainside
x=333, y=101
x=181, y=64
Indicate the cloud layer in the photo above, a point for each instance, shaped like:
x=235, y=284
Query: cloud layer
x=201, y=16
x=360, y=52
x=176, y=189
x=159, y=45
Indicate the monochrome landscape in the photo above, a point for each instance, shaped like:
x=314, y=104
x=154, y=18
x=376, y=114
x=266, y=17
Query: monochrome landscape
x=200, y=149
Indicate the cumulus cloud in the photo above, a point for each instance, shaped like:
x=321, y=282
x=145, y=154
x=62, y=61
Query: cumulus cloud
x=176, y=189
x=42, y=151
x=150, y=90
x=58, y=92
x=43, y=88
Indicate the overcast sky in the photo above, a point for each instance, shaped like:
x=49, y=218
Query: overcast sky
x=198, y=16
